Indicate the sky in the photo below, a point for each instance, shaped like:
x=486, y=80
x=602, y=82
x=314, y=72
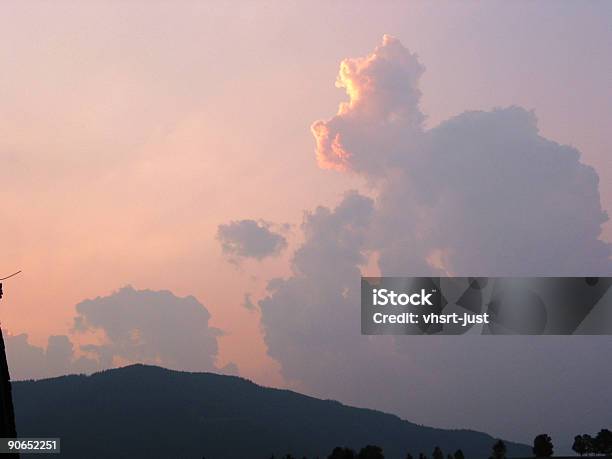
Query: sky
x=163, y=164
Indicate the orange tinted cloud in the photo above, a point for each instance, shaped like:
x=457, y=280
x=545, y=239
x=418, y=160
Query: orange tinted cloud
x=383, y=95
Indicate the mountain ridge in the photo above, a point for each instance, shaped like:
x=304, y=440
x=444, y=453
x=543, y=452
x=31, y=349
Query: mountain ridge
x=148, y=411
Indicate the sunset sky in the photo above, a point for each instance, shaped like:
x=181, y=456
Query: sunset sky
x=135, y=137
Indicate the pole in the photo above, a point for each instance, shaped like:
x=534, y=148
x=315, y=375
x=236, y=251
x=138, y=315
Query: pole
x=7, y=412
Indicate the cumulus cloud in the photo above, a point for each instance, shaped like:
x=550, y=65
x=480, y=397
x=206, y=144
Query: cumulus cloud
x=146, y=326
x=381, y=115
x=309, y=319
x=152, y=327
x=28, y=361
x=493, y=197
x=481, y=194
x=250, y=239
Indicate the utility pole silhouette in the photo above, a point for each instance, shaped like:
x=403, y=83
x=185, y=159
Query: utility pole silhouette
x=7, y=412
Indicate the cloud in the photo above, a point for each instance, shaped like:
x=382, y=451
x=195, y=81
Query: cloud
x=493, y=197
x=250, y=239
x=151, y=327
x=145, y=326
x=310, y=320
x=481, y=194
x=382, y=112
x=27, y=361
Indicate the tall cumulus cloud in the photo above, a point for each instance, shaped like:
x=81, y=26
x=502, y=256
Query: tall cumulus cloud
x=483, y=193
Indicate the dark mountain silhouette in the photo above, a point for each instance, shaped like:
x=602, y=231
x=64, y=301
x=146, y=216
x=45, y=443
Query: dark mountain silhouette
x=150, y=412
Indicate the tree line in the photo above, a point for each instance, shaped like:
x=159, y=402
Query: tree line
x=376, y=452
x=600, y=445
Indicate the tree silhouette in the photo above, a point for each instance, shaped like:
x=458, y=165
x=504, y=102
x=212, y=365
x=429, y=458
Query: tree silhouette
x=342, y=453
x=542, y=446
x=499, y=450
x=408, y=456
x=589, y=444
x=371, y=452
x=603, y=442
x=459, y=454
x=579, y=445
x=422, y=456
x=449, y=456
x=437, y=453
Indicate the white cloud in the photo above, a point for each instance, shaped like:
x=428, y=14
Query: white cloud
x=481, y=194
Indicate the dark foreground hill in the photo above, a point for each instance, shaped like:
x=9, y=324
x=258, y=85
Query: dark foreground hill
x=150, y=412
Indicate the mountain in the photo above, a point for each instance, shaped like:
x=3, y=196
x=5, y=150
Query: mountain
x=144, y=411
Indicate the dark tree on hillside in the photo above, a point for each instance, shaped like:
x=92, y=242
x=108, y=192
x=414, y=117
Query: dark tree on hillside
x=408, y=456
x=603, y=442
x=459, y=454
x=542, y=446
x=579, y=445
x=449, y=456
x=422, y=456
x=589, y=444
x=437, y=453
x=371, y=452
x=499, y=450
x=342, y=453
